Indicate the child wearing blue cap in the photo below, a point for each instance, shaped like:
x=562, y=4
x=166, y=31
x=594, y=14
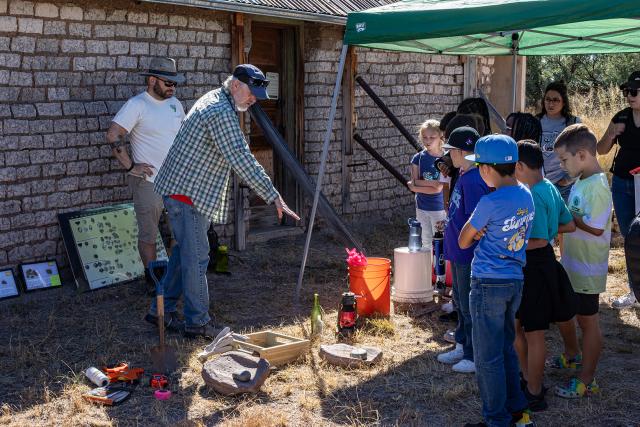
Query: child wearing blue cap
x=500, y=224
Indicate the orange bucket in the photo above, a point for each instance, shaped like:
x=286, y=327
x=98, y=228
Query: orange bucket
x=372, y=283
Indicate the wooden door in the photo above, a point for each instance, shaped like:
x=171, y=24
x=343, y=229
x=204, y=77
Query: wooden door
x=273, y=50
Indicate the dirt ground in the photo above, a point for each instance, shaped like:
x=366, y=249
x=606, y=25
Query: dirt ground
x=49, y=340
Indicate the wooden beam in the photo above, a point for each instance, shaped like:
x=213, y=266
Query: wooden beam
x=238, y=57
x=348, y=125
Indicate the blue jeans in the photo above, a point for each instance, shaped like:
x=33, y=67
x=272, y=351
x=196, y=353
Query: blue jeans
x=624, y=203
x=187, y=270
x=494, y=303
x=461, y=287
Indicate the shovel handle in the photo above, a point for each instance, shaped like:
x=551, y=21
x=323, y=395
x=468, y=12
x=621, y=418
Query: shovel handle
x=160, y=304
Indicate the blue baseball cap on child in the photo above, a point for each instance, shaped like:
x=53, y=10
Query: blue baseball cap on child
x=253, y=77
x=495, y=149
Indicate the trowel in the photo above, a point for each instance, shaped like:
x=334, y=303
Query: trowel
x=163, y=356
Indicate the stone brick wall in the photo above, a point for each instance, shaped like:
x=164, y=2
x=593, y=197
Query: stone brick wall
x=67, y=67
x=65, y=70
x=415, y=87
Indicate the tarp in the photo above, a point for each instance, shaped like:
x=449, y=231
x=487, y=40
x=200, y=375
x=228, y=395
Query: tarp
x=485, y=27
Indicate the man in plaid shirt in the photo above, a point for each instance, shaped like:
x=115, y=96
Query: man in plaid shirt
x=194, y=183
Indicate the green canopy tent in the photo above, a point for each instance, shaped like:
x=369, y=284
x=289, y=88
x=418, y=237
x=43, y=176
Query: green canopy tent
x=486, y=28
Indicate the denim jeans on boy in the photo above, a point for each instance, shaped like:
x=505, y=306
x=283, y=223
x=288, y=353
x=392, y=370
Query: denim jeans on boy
x=494, y=303
x=461, y=273
x=187, y=270
x=624, y=203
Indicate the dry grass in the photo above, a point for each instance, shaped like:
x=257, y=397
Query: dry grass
x=48, y=342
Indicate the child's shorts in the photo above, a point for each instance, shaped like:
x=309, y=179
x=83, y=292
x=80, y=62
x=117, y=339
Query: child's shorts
x=588, y=304
x=547, y=295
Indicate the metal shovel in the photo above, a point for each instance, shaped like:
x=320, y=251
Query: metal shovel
x=163, y=357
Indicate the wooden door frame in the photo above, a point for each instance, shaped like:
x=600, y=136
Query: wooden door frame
x=239, y=54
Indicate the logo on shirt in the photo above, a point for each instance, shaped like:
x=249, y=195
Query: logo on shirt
x=517, y=222
x=574, y=206
x=173, y=107
x=431, y=175
x=361, y=26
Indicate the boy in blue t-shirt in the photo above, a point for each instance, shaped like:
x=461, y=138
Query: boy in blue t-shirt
x=500, y=223
x=425, y=181
x=468, y=190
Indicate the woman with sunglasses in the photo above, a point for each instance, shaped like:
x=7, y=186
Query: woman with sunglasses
x=554, y=117
x=624, y=130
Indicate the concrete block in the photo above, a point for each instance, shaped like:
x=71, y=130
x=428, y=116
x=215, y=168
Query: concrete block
x=47, y=45
x=34, y=62
x=84, y=63
x=139, y=48
x=178, y=21
x=105, y=63
x=34, y=203
x=23, y=111
x=197, y=51
x=118, y=47
x=95, y=15
x=167, y=35
x=127, y=62
x=8, y=24
x=10, y=60
x=223, y=38
x=147, y=32
x=73, y=46
x=28, y=172
x=203, y=37
x=157, y=49
x=20, y=79
x=23, y=44
x=80, y=30
x=177, y=50
x=71, y=12
x=40, y=126
x=64, y=125
x=19, y=7
x=117, y=15
x=186, y=36
x=4, y=77
x=30, y=25
x=55, y=28
x=213, y=26
x=128, y=31
x=77, y=168
x=138, y=17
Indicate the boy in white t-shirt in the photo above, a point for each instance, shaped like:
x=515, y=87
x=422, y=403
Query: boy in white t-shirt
x=152, y=120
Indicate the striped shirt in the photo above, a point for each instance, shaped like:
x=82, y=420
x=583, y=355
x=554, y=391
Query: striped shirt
x=210, y=145
x=585, y=256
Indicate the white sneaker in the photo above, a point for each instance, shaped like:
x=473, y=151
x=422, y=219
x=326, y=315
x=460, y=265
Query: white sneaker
x=453, y=356
x=464, y=366
x=450, y=336
x=447, y=307
x=625, y=301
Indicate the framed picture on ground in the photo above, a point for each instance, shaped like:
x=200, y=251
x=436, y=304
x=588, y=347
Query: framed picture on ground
x=40, y=275
x=8, y=285
x=102, y=245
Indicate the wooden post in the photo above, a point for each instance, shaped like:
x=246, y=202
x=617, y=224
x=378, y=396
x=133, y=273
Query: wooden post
x=238, y=57
x=348, y=124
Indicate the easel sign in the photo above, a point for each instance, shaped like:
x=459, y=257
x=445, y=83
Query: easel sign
x=8, y=285
x=40, y=275
x=102, y=245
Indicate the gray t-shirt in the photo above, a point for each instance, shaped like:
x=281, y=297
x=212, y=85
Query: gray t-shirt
x=551, y=128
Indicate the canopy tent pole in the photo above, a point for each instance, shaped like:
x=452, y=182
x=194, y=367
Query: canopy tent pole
x=514, y=77
x=323, y=161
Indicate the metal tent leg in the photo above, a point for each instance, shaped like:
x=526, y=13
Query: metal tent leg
x=323, y=161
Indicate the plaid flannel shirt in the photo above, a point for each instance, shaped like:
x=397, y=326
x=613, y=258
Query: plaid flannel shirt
x=209, y=145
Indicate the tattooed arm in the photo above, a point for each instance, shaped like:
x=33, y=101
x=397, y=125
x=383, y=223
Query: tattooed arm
x=115, y=137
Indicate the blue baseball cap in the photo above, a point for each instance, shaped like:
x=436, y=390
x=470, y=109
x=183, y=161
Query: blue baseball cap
x=253, y=77
x=495, y=149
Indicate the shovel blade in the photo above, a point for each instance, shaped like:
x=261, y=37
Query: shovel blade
x=164, y=359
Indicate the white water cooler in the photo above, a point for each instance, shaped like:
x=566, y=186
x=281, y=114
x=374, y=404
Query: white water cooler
x=412, y=274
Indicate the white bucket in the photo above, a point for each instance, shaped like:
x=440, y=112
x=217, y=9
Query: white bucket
x=412, y=276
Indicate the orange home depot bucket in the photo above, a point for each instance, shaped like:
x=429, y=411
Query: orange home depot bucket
x=372, y=283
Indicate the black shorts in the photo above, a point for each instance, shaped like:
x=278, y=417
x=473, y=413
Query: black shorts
x=547, y=295
x=588, y=304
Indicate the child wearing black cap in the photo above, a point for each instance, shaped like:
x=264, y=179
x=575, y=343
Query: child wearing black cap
x=500, y=224
x=468, y=190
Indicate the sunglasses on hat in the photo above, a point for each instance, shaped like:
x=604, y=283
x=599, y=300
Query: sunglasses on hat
x=632, y=92
x=253, y=81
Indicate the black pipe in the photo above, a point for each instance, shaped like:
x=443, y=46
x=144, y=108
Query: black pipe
x=389, y=114
x=282, y=150
x=380, y=159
